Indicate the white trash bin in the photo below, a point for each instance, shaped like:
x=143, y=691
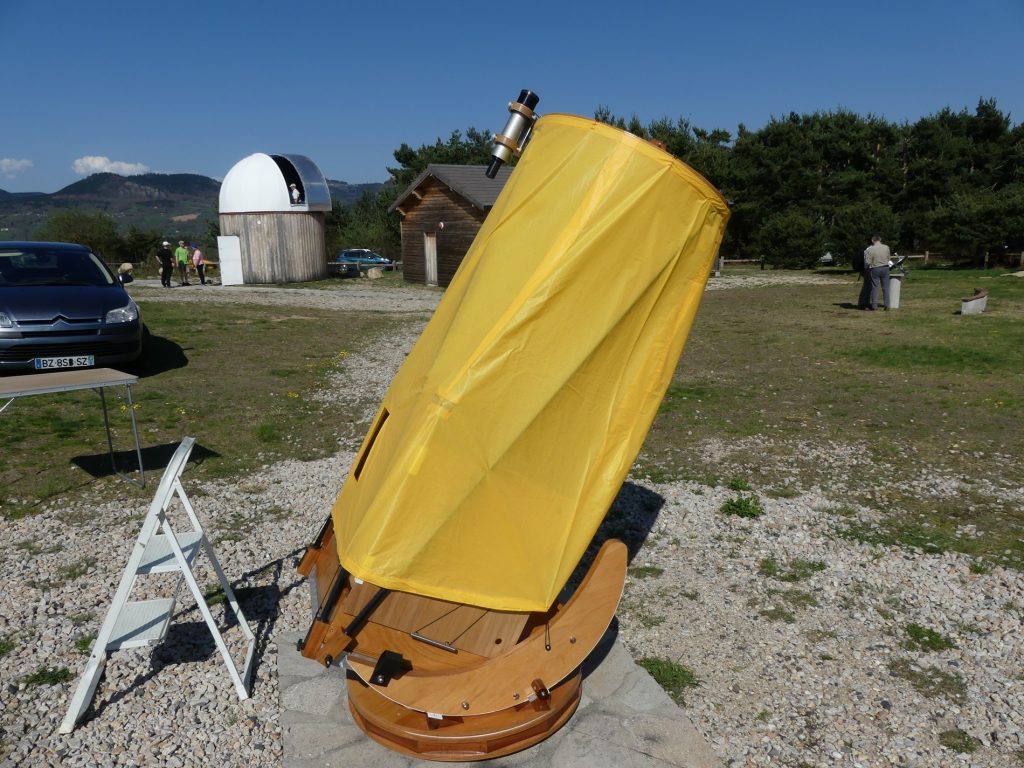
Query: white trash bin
x=895, y=285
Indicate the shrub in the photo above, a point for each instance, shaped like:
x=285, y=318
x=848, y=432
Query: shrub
x=743, y=506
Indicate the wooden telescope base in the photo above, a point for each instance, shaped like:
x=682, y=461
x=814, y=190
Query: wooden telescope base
x=504, y=682
x=462, y=739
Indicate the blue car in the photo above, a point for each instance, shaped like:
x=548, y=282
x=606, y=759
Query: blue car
x=363, y=258
x=62, y=307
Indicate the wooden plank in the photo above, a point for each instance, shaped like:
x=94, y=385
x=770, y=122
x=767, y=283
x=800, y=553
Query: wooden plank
x=464, y=738
x=279, y=247
x=373, y=639
x=465, y=627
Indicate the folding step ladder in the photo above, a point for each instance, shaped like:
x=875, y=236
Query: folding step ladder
x=159, y=549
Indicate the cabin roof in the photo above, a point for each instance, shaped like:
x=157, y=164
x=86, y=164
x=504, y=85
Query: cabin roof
x=468, y=181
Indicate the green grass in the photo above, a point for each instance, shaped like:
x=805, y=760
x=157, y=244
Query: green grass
x=84, y=644
x=675, y=678
x=933, y=356
x=778, y=613
x=934, y=532
x=47, y=676
x=795, y=597
x=959, y=741
x=214, y=594
x=742, y=506
x=32, y=548
x=917, y=391
x=797, y=569
x=785, y=602
x=930, y=682
x=6, y=646
x=77, y=569
x=924, y=639
x=238, y=377
x=680, y=396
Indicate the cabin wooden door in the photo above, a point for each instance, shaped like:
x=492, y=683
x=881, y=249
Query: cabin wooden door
x=430, y=257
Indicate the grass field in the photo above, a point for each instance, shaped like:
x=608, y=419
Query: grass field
x=787, y=381
x=242, y=379
x=778, y=386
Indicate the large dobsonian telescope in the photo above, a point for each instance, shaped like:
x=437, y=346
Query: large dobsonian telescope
x=440, y=576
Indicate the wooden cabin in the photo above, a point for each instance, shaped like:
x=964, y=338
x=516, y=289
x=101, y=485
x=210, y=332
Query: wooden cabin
x=442, y=210
x=272, y=210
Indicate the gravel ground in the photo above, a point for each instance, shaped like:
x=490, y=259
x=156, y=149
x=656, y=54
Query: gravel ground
x=797, y=635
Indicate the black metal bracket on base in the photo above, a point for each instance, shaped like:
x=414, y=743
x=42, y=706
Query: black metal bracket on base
x=390, y=665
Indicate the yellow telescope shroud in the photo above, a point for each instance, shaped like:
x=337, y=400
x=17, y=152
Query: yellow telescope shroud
x=506, y=435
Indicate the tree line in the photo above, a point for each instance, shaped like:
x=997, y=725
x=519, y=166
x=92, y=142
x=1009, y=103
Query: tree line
x=950, y=183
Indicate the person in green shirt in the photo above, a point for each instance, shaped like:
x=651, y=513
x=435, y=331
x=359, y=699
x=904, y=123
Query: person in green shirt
x=181, y=256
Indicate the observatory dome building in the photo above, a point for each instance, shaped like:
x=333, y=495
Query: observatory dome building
x=272, y=211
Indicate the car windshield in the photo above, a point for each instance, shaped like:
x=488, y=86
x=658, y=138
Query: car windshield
x=43, y=266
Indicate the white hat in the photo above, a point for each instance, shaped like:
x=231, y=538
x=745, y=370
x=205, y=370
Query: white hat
x=166, y=243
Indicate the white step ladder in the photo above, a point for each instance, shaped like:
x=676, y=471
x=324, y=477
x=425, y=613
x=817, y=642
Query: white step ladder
x=159, y=549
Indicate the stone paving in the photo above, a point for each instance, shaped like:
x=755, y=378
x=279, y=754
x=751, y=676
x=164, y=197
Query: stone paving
x=625, y=720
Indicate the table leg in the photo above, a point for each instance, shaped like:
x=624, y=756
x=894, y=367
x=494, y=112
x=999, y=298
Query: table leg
x=135, y=432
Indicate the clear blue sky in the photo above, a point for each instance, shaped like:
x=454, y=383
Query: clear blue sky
x=193, y=86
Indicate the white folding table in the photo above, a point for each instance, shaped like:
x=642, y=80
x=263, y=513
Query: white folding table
x=13, y=387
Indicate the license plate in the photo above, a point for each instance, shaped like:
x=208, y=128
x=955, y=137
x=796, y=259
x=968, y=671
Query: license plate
x=77, y=361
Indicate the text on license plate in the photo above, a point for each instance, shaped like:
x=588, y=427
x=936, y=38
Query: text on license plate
x=76, y=361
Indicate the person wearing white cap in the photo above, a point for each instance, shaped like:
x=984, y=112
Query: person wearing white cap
x=296, y=194
x=166, y=264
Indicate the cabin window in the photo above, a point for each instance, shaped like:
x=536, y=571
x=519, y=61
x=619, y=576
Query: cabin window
x=377, y=426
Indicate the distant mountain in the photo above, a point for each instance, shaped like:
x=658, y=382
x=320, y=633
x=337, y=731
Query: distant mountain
x=178, y=204
x=346, y=193
x=147, y=186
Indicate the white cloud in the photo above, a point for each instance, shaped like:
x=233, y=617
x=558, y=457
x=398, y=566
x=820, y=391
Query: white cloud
x=10, y=167
x=90, y=164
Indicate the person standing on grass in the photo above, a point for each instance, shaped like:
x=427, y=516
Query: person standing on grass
x=877, y=257
x=859, y=266
x=197, y=262
x=181, y=255
x=166, y=264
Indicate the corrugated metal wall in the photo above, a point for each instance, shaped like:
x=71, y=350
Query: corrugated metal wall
x=279, y=247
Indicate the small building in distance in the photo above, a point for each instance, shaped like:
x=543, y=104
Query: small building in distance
x=442, y=211
x=272, y=210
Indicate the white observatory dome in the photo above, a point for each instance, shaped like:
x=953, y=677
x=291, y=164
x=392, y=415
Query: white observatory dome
x=260, y=182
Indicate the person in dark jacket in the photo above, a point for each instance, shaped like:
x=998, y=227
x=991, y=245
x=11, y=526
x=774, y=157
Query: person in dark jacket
x=864, y=299
x=166, y=264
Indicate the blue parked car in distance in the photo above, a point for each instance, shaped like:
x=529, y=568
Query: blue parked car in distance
x=363, y=258
x=62, y=307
